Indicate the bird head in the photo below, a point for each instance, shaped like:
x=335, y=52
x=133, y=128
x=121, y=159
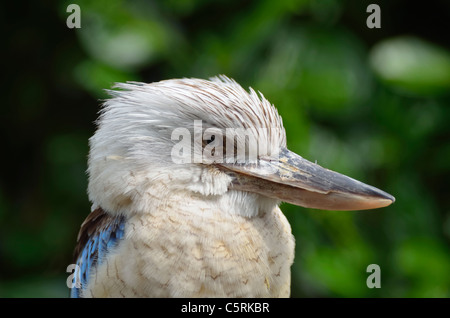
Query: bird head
x=210, y=139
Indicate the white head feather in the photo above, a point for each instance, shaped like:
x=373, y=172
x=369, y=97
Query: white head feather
x=130, y=162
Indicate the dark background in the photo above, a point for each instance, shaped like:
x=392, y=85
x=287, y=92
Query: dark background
x=370, y=103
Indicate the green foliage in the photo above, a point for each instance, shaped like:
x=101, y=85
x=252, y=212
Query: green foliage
x=412, y=65
x=365, y=102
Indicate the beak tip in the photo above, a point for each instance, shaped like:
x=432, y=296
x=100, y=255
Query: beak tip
x=386, y=197
x=392, y=198
x=379, y=199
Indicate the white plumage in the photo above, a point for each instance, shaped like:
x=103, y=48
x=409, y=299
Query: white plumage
x=130, y=152
x=198, y=229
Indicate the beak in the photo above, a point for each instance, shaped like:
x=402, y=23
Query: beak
x=295, y=180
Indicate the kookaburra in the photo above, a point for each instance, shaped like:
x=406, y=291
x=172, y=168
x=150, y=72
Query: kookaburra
x=185, y=180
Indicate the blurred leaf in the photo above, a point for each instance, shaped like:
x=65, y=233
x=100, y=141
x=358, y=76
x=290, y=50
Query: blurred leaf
x=341, y=270
x=95, y=77
x=412, y=65
x=124, y=37
x=427, y=264
x=331, y=73
x=326, y=11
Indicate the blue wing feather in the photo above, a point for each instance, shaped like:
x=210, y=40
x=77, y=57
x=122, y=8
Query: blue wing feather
x=99, y=234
